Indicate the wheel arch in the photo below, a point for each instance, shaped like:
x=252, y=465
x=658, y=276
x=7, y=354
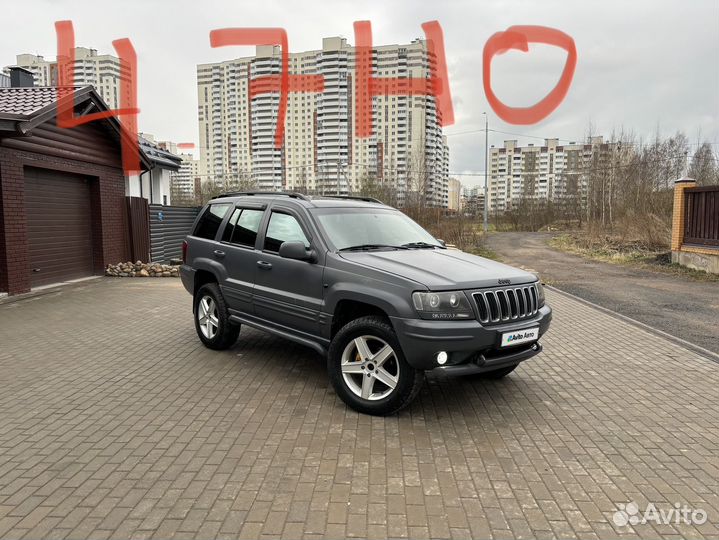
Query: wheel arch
x=349, y=309
x=202, y=277
x=374, y=300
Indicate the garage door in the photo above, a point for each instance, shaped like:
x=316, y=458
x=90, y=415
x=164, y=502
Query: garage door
x=59, y=226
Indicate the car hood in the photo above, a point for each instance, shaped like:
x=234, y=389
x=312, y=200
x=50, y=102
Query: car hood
x=441, y=269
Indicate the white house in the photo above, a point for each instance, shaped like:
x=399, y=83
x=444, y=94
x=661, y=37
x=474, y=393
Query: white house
x=153, y=185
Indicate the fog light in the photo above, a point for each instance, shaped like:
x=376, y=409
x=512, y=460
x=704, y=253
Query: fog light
x=442, y=358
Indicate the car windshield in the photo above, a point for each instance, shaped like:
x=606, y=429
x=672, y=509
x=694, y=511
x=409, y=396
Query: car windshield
x=372, y=228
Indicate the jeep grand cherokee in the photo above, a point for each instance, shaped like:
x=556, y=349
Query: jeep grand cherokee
x=364, y=286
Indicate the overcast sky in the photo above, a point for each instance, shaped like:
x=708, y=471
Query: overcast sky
x=642, y=65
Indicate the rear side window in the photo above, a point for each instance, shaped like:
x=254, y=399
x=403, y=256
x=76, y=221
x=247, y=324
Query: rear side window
x=230, y=227
x=243, y=226
x=283, y=228
x=211, y=220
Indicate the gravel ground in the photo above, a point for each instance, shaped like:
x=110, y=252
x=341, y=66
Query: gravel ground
x=678, y=306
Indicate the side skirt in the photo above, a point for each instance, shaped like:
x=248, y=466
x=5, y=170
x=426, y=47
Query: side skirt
x=320, y=346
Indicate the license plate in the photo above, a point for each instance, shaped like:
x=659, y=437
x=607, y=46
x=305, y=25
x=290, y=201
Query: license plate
x=520, y=336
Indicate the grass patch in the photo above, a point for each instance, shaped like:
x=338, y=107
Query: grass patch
x=634, y=254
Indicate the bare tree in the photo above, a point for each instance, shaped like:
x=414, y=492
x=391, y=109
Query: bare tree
x=621, y=187
x=418, y=178
x=371, y=186
x=180, y=197
x=210, y=189
x=704, y=167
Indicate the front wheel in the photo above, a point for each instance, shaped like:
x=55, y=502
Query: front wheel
x=212, y=320
x=368, y=369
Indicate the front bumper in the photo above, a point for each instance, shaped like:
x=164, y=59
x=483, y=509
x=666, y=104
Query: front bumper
x=466, y=342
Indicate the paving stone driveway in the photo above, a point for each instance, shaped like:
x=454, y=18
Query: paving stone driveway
x=115, y=422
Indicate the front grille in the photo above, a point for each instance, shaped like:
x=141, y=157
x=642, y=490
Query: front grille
x=506, y=304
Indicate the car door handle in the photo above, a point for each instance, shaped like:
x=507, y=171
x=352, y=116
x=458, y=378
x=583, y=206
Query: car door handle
x=219, y=253
x=264, y=265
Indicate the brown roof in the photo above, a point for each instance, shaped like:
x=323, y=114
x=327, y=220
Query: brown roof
x=21, y=109
x=28, y=100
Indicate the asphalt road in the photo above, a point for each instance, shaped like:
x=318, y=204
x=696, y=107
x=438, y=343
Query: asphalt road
x=678, y=306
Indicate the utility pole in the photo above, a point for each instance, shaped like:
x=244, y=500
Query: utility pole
x=486, y=161
x=340, y=173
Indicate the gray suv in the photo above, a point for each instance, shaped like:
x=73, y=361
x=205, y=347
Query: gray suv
x=364, y=286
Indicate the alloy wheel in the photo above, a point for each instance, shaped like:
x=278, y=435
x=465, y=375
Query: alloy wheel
x=370, y=368
x=207, y=316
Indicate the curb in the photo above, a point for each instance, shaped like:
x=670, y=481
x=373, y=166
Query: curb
x=706, y=353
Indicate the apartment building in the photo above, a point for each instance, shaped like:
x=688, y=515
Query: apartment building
x=103, y=71
x=4, y=80
x=44, y=71
x=472, y=202
x=551, y=171
x=454, y=198
x=320, y=152
x=187, y=178
x=183, y=180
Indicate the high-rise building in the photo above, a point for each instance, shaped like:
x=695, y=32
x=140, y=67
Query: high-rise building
x=184, y=179
x=320, y=152
x=454, y=198
x=443, y=186
x=552, y=171
x=4, y=80
x=103, y=71
x=472, y=202
x=44, y=71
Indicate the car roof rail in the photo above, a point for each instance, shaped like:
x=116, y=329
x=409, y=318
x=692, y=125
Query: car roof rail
x=291, y=194
x=353, y=198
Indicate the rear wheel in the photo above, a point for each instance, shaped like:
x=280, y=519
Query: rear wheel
x=212, y=320
x=499, y=373
x=368, y=369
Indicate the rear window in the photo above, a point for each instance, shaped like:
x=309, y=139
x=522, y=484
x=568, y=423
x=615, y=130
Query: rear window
x=243, y=226
x=211, y=220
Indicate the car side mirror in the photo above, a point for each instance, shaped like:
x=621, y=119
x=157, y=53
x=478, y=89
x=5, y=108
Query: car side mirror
x=444, y=244
x=296, y=250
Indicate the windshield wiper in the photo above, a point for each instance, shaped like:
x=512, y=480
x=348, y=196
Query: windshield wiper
x=420, y=245
x=361, y=247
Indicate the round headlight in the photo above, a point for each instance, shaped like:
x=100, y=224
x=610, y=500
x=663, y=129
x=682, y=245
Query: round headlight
x=433, y=300
x=454, y=300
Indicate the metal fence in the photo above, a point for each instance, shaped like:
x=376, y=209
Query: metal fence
x=702, y=216
x=168, y=227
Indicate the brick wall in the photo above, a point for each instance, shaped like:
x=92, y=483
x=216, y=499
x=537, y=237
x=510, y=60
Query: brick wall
x=16, y=269
x=107, y=194
x=3, y=261
x=679, y=212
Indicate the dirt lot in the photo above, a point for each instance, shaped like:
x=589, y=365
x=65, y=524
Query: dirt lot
x=678, y=306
